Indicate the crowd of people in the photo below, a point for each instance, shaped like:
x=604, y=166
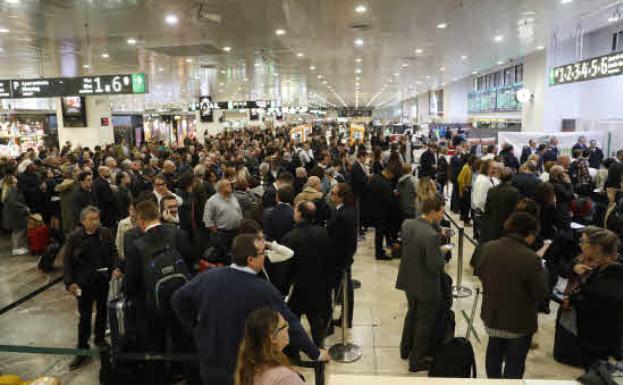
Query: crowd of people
x=222, y=247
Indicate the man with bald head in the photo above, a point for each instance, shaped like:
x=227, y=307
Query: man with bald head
x=103, y=196
x=311, y=192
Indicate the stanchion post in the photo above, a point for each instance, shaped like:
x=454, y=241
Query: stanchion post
x=345, y=351
x=460, y=291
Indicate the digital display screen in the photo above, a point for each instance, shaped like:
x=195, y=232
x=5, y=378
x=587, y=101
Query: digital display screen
x=502, y=99
x=354, y=113
x=74, y=112
x=79, y=86
x=595, y=68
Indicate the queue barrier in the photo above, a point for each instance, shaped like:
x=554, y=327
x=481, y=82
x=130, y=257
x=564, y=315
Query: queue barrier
x=458, y=290
x=104, y=354
x=344, y=351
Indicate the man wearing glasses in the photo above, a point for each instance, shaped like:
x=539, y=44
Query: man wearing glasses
x=215, y=305
x=161, y=190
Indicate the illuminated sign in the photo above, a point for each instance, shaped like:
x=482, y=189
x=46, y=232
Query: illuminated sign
x=80, y=86
x=589, y=69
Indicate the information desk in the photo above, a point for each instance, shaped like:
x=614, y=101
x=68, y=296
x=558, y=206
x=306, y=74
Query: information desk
x=340, y=379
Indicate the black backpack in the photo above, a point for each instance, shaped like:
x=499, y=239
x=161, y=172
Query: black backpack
x=164, y=271
x=455, y=360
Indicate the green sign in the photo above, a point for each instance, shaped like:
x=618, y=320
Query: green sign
x=138, y=83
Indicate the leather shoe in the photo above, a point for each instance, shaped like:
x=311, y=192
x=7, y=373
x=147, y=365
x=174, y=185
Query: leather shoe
x=78, y=362
x=384, y=257
x=419, y=367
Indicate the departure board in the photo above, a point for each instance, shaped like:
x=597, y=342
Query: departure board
x=501, y=99
x=589, y=69
x=79, y=86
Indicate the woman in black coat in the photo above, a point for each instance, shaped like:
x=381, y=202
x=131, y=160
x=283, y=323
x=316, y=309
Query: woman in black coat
x=563, y=188
x=545, y=197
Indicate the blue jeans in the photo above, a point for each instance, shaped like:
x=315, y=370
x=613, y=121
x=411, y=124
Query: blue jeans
x=510, y=353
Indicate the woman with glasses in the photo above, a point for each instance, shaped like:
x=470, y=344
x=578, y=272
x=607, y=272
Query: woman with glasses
x=260, y=359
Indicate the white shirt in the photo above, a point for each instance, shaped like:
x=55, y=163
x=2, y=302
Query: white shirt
x=481, y=188
x=488, y=157
x=544, y=177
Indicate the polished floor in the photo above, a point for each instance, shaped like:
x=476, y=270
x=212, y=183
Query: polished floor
x=50, y=319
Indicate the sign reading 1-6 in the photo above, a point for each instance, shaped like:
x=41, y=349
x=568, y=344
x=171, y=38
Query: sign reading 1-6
x=108, y=85
x=595, y=68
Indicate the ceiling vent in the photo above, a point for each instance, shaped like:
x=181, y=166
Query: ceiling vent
x=360, y=27
x=188, y=50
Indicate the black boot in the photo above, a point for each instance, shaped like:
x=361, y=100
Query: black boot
x=78, y=362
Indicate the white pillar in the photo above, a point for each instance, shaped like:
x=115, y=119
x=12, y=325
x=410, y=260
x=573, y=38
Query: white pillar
x=97, y=107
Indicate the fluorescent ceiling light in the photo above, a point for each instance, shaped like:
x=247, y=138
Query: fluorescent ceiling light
x=442, y=69
x=404, y=65
x=442, y=25
x=500, y=62
x=227, y=49
x=86, y=66
x=566, y=1
x=498, y=38
x=359, y=42
x=189, y=60
x=358, y=71
x=130, y=41
x=223, y=72
x=171, y=19
x=280, y=32
x=358, y=60
x=300, y=54
x=105, y=56
x=419, y=51
x=361, y=9
x=540, y=48
x=464, y=57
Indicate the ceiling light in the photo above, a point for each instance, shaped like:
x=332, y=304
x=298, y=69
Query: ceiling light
x=246, y=79
x=86, y=66
x=358, y=60
x=464, y=57
x=105, y=56
x=396, y=74
x=160, y=69
x=540, y=48
x=257, y=64
x=419, y=51
x=280, y=32
x=131, y=41
x=356, y=84
x=475, y=72
x=358, y=71
x=171, y=19
x=220, y=90
x=361, y=9
x=312, y=68
x=221, y=84
x=189, y=60
x=566, y=1
x=275, y=74
x=500, y=62
x=442, y=25
x=319, y=76
x=498, y=38
x=223, y=72
x=614, y=18
x=404, y=65
x=227, y=49
x=427, y=76
x=359, y=42
x=357, y=78
x=442, y=69
x=300, y=54
x=324, y=82
x=12, y=1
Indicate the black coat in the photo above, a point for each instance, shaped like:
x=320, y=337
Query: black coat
x=380, y=199
x=358, y=179
x=343, y=231
x=614, y=175
x=278, y=221
x=500, y=204
x=123, y=199
x=595, y=158
x=526, y=151
x=105, y=201
x=314, y=267
x=269, y=199
x=28, y=184
x=599, y=305
x=564, y=196
x=82, y=198
x=428, y=164
x=80, y=260
x=526, y=183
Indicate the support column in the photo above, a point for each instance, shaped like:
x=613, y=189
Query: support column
x=96, y=107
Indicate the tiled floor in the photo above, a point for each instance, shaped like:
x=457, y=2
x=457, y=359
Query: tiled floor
x=50, y=320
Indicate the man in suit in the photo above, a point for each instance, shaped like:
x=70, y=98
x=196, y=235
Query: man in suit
x=419, y=276
x=580, y=145
x=279, y=220
x=215, y=305
x=314, y=267
x=428, y=162
x=615, y=171
x=343, y=231
x=83, y=196
x=269, y=199
x=526, y=181
x=596, y=156
x=104, y=198
x=552, y=152
x=359, y=180
x=528, y=150
x=155, y=329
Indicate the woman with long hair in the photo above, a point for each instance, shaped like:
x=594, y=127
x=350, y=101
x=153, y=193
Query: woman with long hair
x=426, y=189
x=260, y=359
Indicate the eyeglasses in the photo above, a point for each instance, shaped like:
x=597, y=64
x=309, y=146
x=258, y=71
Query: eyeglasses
x=159, y=184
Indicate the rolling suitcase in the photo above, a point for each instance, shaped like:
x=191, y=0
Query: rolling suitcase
x=38, y=238
x=456, y=358
x=122, y=318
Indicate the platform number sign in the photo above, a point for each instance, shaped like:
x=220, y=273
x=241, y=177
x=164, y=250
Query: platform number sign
x=595, y=68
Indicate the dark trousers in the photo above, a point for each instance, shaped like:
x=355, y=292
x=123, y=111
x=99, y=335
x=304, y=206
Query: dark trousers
x=466, y=206
x=418, y=330
x=165, y=334
x=221, y=241
x=510, y=352
x=381, y=231
x=93, y=292
x=318, y=321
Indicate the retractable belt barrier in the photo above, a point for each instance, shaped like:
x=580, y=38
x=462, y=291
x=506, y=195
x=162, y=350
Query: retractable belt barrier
x=31, y=295
x=344, y=351
x=458, y=290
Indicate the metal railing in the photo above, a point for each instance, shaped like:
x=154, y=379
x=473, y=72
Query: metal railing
x=458, y=290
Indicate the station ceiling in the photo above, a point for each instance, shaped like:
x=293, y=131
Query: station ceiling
x=327, y=52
